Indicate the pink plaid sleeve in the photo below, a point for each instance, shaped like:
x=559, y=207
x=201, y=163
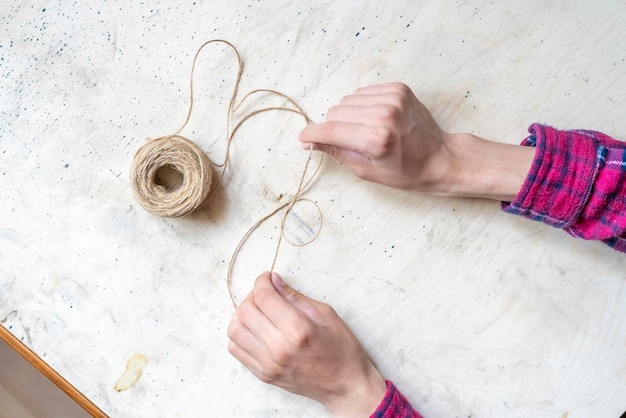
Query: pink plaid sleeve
x=394, y=405
x=577, y=182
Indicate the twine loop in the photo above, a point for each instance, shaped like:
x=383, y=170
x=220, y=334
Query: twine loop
x=172, y=177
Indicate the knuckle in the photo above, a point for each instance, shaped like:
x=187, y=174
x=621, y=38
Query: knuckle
x=400, y=102
x=243, y=312
x=362, y=173
x=327, y=312
x=401, y=88
x=233, y=332
x=331, y=114
x=268, y=376
x=382, y=142
x=391, y=115
x=281, y=355
x=359, y=90
x=262, y=297
x=346, y=99
x=328, y=130
x=231, y=348
x=301, y=338
x=387, y=113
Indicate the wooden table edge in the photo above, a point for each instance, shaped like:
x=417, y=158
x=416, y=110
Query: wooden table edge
x=50, y=373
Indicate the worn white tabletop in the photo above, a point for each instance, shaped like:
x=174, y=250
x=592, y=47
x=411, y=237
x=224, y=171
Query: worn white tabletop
x=472, y=312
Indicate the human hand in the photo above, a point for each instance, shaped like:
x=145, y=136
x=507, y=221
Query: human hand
x=383, y=133
x=301, y=345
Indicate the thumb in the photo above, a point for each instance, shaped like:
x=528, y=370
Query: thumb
x=301, y=302
x=350, y=158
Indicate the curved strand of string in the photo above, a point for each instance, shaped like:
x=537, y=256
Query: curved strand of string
x=230, y=138
x=229, y=113
x=303, y=183
x=233, y=97
x=177, y=151
x=277, y=93
x=289, y=205
x=231, y=263
x=232, y=108
x=231, y=135
x=292, y=203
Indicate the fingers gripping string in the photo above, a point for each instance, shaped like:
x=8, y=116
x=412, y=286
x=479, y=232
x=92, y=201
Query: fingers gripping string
x=179, y=154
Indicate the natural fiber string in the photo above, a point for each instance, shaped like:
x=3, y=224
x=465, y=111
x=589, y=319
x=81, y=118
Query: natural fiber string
x=302, y=185
x=289, y=205
x=182, y=155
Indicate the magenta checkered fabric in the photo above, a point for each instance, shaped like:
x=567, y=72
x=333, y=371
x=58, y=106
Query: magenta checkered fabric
x=577, y=182
x=394, y=405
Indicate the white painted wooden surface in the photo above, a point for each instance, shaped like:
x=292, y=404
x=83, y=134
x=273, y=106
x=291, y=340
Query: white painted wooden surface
x=472, y=312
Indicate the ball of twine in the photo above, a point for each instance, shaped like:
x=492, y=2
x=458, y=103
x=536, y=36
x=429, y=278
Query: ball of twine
x=182, y=158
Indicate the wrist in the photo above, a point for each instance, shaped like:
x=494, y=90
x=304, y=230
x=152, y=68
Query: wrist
x=476, y=167
x=361, y=399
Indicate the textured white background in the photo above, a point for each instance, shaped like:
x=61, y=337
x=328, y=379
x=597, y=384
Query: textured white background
x=470, y=311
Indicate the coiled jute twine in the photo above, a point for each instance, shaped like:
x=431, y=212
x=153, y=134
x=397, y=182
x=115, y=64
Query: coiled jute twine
x=182, y=157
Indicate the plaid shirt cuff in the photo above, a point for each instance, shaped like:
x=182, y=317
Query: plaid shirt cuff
x=577, y=182
x=394, y=405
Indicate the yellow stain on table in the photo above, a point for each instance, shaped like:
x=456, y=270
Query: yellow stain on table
x=134, y=370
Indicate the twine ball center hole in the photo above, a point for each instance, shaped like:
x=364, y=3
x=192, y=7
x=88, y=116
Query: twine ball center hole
x=169, y=177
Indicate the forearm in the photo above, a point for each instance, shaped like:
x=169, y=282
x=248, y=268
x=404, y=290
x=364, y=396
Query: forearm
x=475, y=167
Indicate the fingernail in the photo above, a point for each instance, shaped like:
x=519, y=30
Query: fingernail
x=277, y=280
